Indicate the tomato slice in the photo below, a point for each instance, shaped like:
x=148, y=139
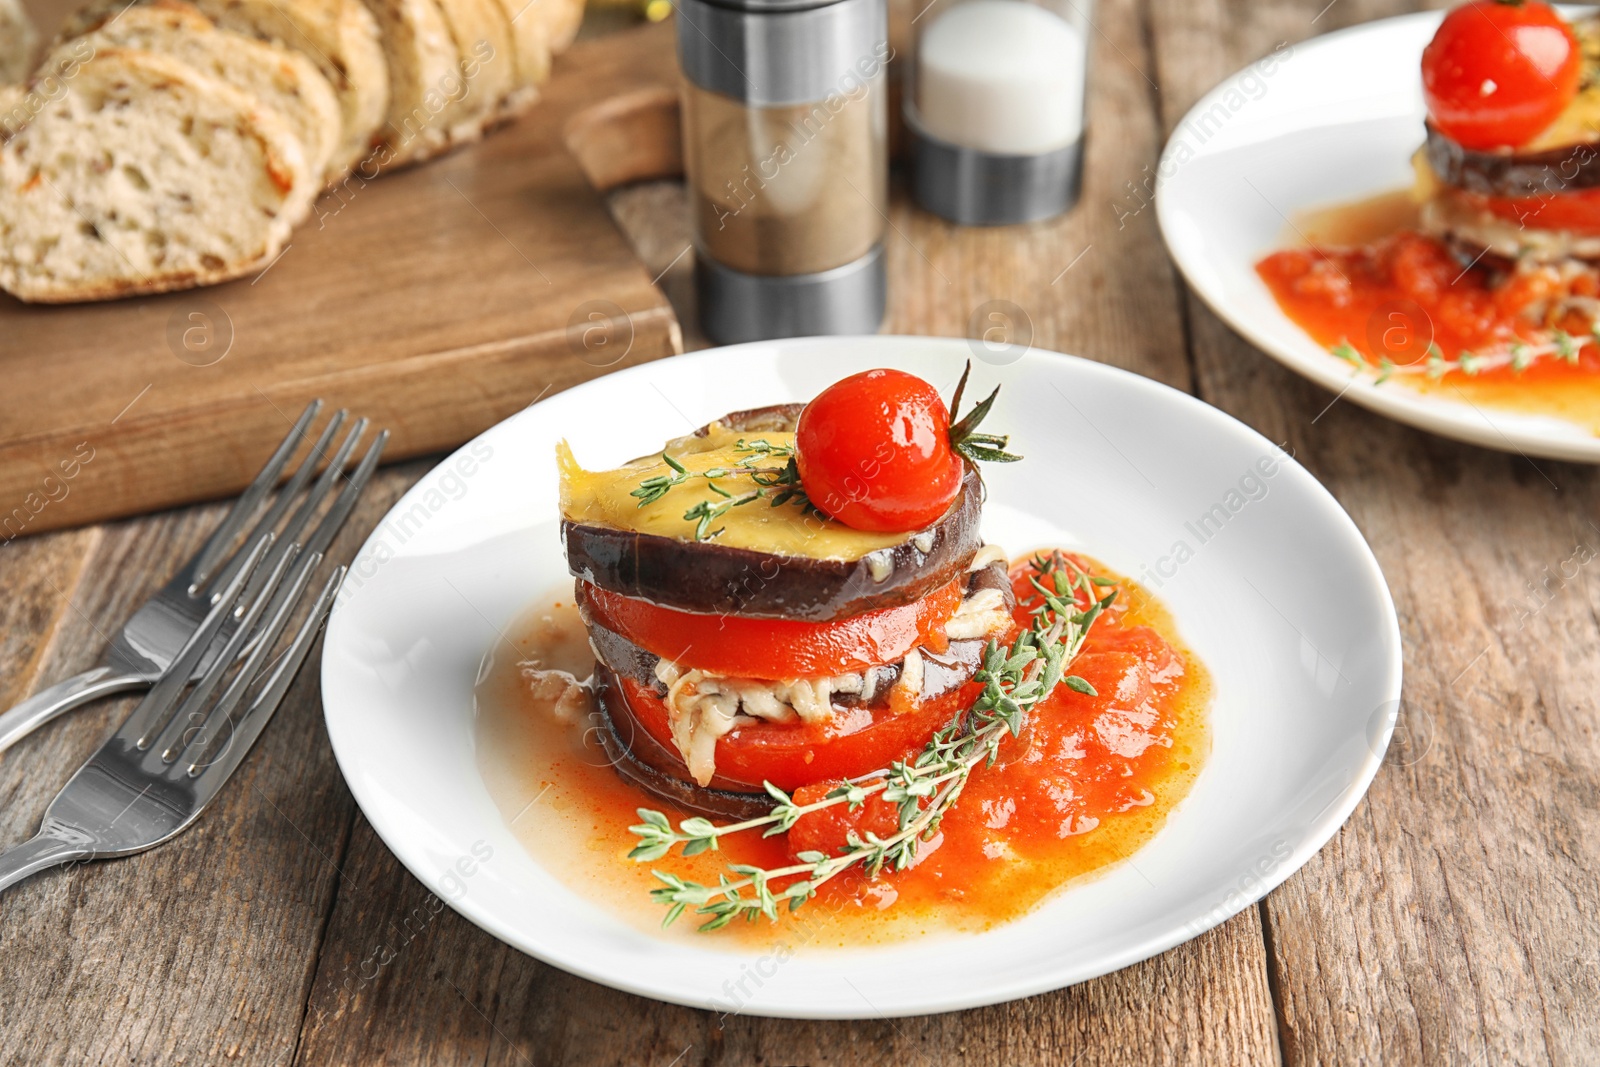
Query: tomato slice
x=1577, y=211
x=743, y=647
x=790, y=755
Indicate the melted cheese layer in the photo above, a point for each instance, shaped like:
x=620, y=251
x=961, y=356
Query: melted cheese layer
x=602, y=498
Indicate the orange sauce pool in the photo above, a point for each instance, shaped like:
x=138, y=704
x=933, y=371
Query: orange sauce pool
x=1089, y=783
x=1362, y=277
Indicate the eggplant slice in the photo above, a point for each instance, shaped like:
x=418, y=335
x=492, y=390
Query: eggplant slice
x=713, y=579
x=1504, y=174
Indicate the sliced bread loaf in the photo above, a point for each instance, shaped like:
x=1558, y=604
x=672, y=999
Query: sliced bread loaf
x=530, y=41
x=425, y=84
x=18, y=39
x=482, y=36
x=145, y=175
x=284, y=81
x=339, y=36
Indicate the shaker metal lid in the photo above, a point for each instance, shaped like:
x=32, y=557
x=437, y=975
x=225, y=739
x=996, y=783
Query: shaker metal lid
x=770, y=53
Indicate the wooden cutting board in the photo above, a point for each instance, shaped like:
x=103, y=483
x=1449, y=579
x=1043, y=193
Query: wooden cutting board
x=436, y=301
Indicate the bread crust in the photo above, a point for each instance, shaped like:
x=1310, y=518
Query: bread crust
x=425, y=79
x=482, y=36
x=145, y=176
x=281, y=79
x=339, y=37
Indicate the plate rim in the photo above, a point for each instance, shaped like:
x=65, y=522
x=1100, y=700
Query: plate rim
x=1317, y=834
x=1441, y=417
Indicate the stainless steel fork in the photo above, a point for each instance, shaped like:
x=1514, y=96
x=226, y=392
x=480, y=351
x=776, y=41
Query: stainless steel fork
x=156, y=774
x=150, y=640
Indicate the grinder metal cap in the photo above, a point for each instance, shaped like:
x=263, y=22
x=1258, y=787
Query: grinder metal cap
x=772, y=53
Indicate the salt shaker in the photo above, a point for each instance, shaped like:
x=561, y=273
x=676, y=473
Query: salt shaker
x=994, y=106
x=785, y=131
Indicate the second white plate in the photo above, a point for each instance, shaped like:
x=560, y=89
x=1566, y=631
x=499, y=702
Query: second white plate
x=1328, y=121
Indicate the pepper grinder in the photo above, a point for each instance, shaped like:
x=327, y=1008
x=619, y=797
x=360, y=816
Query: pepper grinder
x=994, y=106
x=785, y=130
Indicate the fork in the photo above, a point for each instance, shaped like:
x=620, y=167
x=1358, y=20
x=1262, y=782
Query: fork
x=156, y=774
x=153, y=636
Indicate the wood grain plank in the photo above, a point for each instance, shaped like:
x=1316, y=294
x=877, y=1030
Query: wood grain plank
x=1090, y=282
x=41, y=577
x=200, y=951
x=405, y=980
x=1453, y=918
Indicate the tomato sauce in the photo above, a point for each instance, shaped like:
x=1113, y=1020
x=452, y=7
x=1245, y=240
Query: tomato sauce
x=1409, y=310
x=1091, y=781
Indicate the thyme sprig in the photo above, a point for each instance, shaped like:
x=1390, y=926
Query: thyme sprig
x=1015, y=680
x=778, y=484
x=1518, y=355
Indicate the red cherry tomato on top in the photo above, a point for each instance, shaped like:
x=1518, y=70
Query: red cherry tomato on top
x=1495, y=74
x=874, y=452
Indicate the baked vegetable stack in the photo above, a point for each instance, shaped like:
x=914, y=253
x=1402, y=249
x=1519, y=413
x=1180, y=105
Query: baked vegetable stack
x=787, y=595
x=1511, y=167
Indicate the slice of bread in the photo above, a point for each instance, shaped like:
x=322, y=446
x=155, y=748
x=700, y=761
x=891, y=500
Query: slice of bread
x=339, y=36
x=284, y=81
x=143, y=176
x=530, y=42
x=564, y=18
x=425, y=83
x=482, y=36
x=18, y=39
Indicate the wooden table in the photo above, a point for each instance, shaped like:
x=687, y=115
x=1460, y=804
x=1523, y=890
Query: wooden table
x=1452, y=920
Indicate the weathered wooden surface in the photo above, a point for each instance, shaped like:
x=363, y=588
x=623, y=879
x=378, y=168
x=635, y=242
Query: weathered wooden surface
x=1452, y=920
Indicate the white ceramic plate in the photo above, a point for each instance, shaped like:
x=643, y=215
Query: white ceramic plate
x=1328, y=121
x=1285, y=605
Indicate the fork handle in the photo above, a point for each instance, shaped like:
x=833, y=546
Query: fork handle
x=46, y=704
x=31, y=857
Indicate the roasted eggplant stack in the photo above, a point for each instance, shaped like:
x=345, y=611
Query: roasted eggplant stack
x=743, y=636
x=1507, y=195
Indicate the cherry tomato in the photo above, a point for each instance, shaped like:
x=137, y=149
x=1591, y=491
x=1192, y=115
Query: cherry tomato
x=789, y=755
x=874, y=452
x=745, y=647
x=1495, y=73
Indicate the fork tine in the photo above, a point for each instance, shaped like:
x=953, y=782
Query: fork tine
x=211, y=553
x=164, y=694
x=315, y=498
x=343, y=504
x=346, y=501
x=286, y=495
x=166, y=742
x=254, y=718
